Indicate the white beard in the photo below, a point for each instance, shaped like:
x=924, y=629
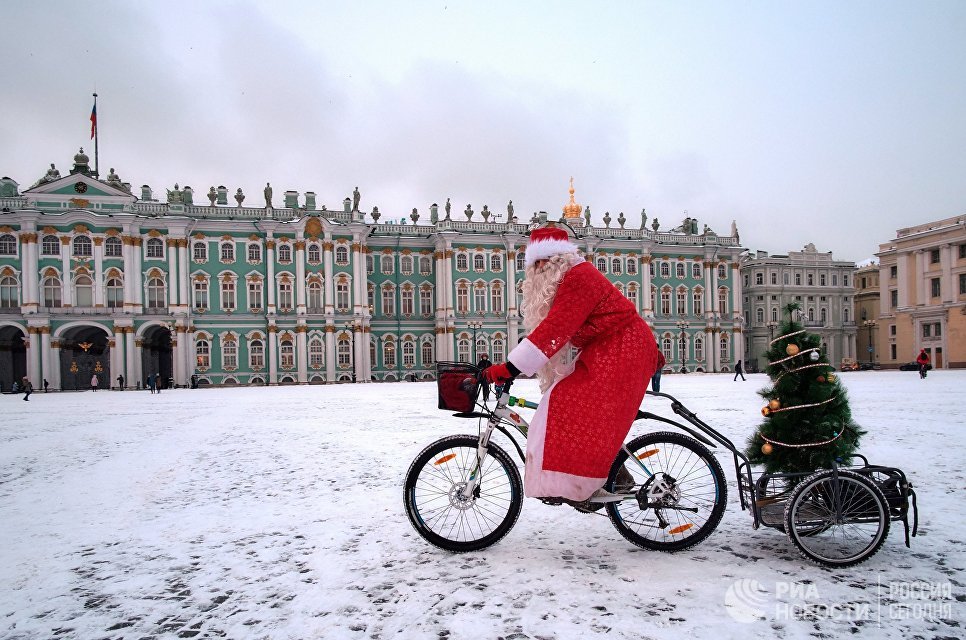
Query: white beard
x=539, y=291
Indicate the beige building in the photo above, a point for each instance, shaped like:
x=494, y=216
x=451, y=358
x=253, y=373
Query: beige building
x=868, y=346
x=922, y=287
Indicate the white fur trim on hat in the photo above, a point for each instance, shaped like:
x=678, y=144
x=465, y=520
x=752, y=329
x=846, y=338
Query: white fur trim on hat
x=547, y=249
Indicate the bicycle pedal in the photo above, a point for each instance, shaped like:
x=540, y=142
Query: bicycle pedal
x=553, y=502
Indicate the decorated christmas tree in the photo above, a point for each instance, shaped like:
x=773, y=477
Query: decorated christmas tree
x=808, y=423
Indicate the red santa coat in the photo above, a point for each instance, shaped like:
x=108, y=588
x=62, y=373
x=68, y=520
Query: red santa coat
x=585, y=416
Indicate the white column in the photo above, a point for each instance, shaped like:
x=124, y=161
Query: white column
x=646, y=286
x=184, y=276
x=329, y=276
x=174, y=277
x=272, y=347
x=99, y=273
x=177, y=355
x=54, y=378
x=270, y=283
x=45, y=363
x=67, y=288
x=138, y=362
x=33, y=358
x=357, y=365
x=301, y=349
x=116, y=344
x=131, y=371
x=360, y=297
x=138, y=290
x=737, y=317
x=442, y=268
x=127, y=252
x=329, y=353
x=300, y=287
x=512, y=313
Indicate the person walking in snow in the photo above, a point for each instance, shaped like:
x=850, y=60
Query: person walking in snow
x=656, y=378
x=27, y=388
x=923, y=361
x=482, y=365
x=591, y=401
x=739, y=371
x=94, y=382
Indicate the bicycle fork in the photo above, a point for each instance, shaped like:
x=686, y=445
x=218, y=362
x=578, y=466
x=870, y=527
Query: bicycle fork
x=469, y=491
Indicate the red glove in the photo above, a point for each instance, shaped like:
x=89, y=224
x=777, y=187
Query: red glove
x=497, y=373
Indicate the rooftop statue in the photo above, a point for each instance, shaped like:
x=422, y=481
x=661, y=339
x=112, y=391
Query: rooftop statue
x=355, y=199
x=447, y=208
x=52, y=174
x=268, y=195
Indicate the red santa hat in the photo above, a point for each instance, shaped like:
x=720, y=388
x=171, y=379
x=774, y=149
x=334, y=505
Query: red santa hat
x=546, y=242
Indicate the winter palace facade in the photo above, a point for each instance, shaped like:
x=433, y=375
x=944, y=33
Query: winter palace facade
x=97, y=281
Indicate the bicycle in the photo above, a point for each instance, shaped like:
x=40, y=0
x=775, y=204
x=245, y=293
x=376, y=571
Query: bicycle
x=464, y=492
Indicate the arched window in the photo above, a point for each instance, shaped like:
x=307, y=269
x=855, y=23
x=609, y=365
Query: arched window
x=314, y=296
x=406, y=265
x=462, y=262
x=615, y=266
x=83, y=291
x=496, y=262
x=9, y=292
x=811, y=314
x=285, y=296
x=201, y=295
x=155, y=248
x=463, y=350
x=254, y=253
x=227, y=251
x=665, y=269
x=256, y=354
x=479, y=297
x=229, y=354
x=722, y=300
x=156, y=294
x=426, y=351
x=254, y=295
x=496, y=298
x=667, y=346
x=203, y=353
x=632, y=293
x=425, y=301
x=342, y=295
x=50, y=246
x=199, y=251
x=371, y=298
x=679, y=270
x=462, y=297
x=286, y=352
x=824, y=316
x=370, y=263
x=228, y=301
x=682, y=301
x=425, y=265
x=845, y=314
x=343, y=351
x=521, y=260
x=409, y=353
x=8, y=245
x=372, y=353
x=696, y=270
x=342, y=255
x=724, y=348
x=316, y=353
x=386, y=264
x=82, y=247
x=632, y=266
x=601, y=264
x=388, y=301
x=406, y=300
x=760, y=315
x=722, y=271
x=666, y=301
x=113, y=248
x=284, y=253
x=499, y=350
x=389, y=353
x=315, y=255
x=697, y=301
x=479, y=262
x=699, y=349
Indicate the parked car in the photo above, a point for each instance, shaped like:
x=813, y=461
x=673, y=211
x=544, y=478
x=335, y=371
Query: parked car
x=913, y=366
x=849, y=364
x=868, y=366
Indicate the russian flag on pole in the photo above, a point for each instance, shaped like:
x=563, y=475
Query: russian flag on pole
x=93, y=120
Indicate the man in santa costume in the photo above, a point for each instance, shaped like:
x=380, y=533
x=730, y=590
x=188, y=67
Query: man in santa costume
x=589, y=404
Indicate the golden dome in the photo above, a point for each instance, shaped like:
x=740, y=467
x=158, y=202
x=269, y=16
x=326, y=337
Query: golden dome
x=572, y=209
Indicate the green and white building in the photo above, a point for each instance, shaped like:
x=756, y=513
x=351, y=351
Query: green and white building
x=96, y=280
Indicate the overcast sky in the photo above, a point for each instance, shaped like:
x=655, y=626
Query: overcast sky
x=834, y=122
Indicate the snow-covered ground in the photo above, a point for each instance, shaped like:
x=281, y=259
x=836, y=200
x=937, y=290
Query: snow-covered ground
x=277, y=513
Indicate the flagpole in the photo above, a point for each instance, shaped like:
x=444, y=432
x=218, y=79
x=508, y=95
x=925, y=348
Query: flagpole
x=96, y=132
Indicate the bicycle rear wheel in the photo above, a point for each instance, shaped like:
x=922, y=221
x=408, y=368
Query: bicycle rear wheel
x=442, y=515
x=690, y=508
x=837, y=541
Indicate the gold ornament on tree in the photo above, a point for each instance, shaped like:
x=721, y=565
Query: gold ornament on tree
x=792, y=349
x=774, y=404
x=767, y=448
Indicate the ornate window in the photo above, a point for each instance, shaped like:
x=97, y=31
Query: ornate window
x=723, y=300
x=254, y=253
x=773, y=277
x=388, y=301
x=343, y=350
x=696, y=270
x=722, y=271
x=9, y=292
x=426, y=302
x=479, y=297
x=845, y=311
x=287, y=353
x=227, y=252
x=462, y=262
x=255, y=295
x=798, y=279
x=256, y=354
x=342, y=255
x=666, y=301
x=314, y=295
x=409, y=353
x=724, y=348
x=284, y=253
x=386, y=264
x=682, y=302
x=388, y=353
x=462, y=296
x=8, y=245
x=521, y=260
x=371, y=298
x=203, y=354
x=82, y=247
x=496, y=262
x=342, y=295
x=463, y=349
x=499, y=349
x=229, y=354
x=759, y=278
x=156, y=294
x=284, y=296
x=115, y=293
x=406, y=265
x=370, y=263
x=315, y=255
x=601, y=264
x=50, y=246
x=201, y=295
x=697, y=302
x=665, y=269
x=774, y=314
x=425, y=265
x=699, y=349
x=760, y=315
x=679, y=270
x=155, y=248
x=632, y=266
x=199, y=251
x=496, y=298
x=667, y=346
x=479, y=262
x=83, y=291
x=823, y=315
x=316, y=353
x=632, y=294
x=426, y=352
x=615, y=266
x=228, y=302
x=406, y=302
x=113, y=248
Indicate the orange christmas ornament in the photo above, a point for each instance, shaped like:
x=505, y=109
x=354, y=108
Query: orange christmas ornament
x=774, y=404
x=767, y=448
x=792, y=349
x=765, y=411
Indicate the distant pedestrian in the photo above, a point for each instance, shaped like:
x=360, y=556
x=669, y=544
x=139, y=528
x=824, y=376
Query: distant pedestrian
x=656, y=378
x=151, y=383
x=482, y=365
x=739, y=371
x=27, y=388
x=923, y=361
x=120, y=382
x=94, y=382
x=45, y=385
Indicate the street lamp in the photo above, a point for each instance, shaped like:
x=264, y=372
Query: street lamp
x=771, y=330
x=870, y=325
x=683, y=325
x=475, y=326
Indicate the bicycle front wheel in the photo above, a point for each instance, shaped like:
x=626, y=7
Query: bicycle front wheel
x=687, y=491
x=437, y=506
x=837, y=522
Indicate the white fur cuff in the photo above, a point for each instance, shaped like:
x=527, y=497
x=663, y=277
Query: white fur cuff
x=527, y=357
x=548, y=248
